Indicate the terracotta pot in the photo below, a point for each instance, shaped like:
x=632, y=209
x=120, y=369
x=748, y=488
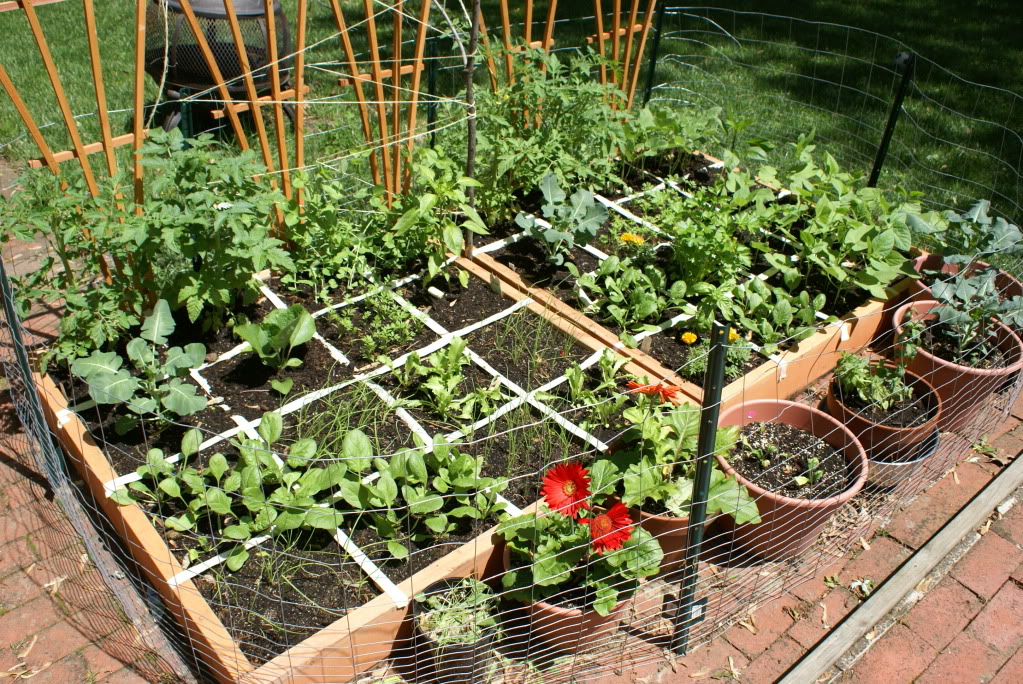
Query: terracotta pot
x=882, y=442
x=464, y=662
x=917, y=290
x=670, y=532
x=789, y=526
x=960, y=389
x=567, y=629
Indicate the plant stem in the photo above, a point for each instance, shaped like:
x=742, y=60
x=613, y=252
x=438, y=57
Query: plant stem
x=470, y=101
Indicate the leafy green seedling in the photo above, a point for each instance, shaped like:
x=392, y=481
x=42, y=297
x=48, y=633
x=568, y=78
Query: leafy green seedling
x=572, y=223
x=274, y=338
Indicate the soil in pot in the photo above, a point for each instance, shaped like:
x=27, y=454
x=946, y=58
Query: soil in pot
x=908, y=413
x=943, y=341
x=774, y=455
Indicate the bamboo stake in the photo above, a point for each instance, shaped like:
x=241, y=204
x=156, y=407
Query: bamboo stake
x=300, y=95
x=470, y=101
x=138, y=132
x=374, y=50
x=97, y=80
x=396, y=107
x=506, y=34
x=616, y=25
x=628, y=46
x=250, y=86
x=353, y=66
x=491, y=67
x=424, y=16
x=58, y=91
x=651, y=6
x=275, y=90
x=30, y=124
x=598, y=12
x=211, y=62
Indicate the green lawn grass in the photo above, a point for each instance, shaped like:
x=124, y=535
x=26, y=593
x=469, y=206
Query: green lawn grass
x=956, y=141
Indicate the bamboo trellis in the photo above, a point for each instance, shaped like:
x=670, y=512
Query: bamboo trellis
x=388, y=113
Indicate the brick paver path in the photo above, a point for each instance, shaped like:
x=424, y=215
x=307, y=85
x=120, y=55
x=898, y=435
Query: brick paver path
x=59, y=621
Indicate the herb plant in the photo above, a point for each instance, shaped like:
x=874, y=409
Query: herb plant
x=573, y=221
x=874, y=383
x=157, y=392
x=461, y=614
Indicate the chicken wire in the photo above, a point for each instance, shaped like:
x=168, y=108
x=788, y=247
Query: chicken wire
x=731, y=581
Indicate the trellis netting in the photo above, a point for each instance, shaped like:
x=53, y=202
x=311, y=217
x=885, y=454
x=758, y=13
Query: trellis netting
x=521, y=471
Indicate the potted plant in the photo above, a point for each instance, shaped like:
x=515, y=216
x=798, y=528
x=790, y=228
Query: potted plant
x=889, y=409
x=957, y=346
x=455, y=625
x=800, y=465
x=960, y=242
x=651, y=468
x=575, y=560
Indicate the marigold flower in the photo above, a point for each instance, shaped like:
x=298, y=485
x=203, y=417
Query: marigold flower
x=688, y=337
x=610, y=530
x=732, y=335
x=667, y=392
x=632, y=237
x=566, y=488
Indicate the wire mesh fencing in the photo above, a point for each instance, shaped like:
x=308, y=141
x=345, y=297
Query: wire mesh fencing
x=514, y=472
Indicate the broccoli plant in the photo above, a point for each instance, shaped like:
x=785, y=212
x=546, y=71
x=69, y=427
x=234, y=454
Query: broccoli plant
x=571, y=223
x=156, y=391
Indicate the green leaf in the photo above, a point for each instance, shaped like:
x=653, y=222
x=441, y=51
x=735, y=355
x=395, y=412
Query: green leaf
x=236, y=559
x=324, y=518
x=190, y=443
x=282, y=386
x=218, y=466
x=159, y=324
x=122, y=497
x=170, y=486
x=271, y=427
x=140, y=352
x=302, y=452
x=178, y=359
x=98, y=363
x=218, y=501
x=181, y=398
x=387, y=489
x=397, y=550
x=357, y=450
x=112, y=388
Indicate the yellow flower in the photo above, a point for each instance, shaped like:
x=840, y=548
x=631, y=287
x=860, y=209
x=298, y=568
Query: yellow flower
x=732, y=335
x=631, y=237
x=688, y=337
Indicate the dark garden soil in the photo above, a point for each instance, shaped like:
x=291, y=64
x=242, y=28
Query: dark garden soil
x=526, y=349
x=244, y=381
x=304, y=294
x=528, y=259
x=943, y=341
x=787, y=450
x=461, y=307
x=902, y=414
x=681, y=165
x=282, y=596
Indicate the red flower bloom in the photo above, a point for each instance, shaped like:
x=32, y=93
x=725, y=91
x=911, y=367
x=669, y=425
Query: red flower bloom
x=611, y=529
x=666, y=392
x=566, y=487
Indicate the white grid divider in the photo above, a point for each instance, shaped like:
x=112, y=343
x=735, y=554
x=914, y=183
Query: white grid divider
x=193, y=571
x=372, y=570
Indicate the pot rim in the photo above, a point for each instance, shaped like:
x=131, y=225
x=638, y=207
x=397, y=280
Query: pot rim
x=1005, y=332
x=916, y=379
x=839, y=499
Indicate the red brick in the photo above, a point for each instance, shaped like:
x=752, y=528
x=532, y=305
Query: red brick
x=1011, y=526
x=811, y=629
x=16, y=589
x=770, y=665
x=770, y=621
x=124, y=676
x=931, y=510
x=999, y=624
x=28, y=619
x=1011, y=443
x=965, y=660
x=899, y=656
x=1011, y=672
x=22, y=493
x=1005, y=427
x=1017, y=407
x=988, y=565
x=813, y=589
x=878, y=563
x=943, y=613
x=57, y=642
x=712, y=659
x=15, y=555
x=69, y=669
x=20, y=521
x=99, y=662
x=1018, y=574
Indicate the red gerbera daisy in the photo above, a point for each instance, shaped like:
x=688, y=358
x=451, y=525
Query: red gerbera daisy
x=611, y=529
x=566, y=487
x=666, y=392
